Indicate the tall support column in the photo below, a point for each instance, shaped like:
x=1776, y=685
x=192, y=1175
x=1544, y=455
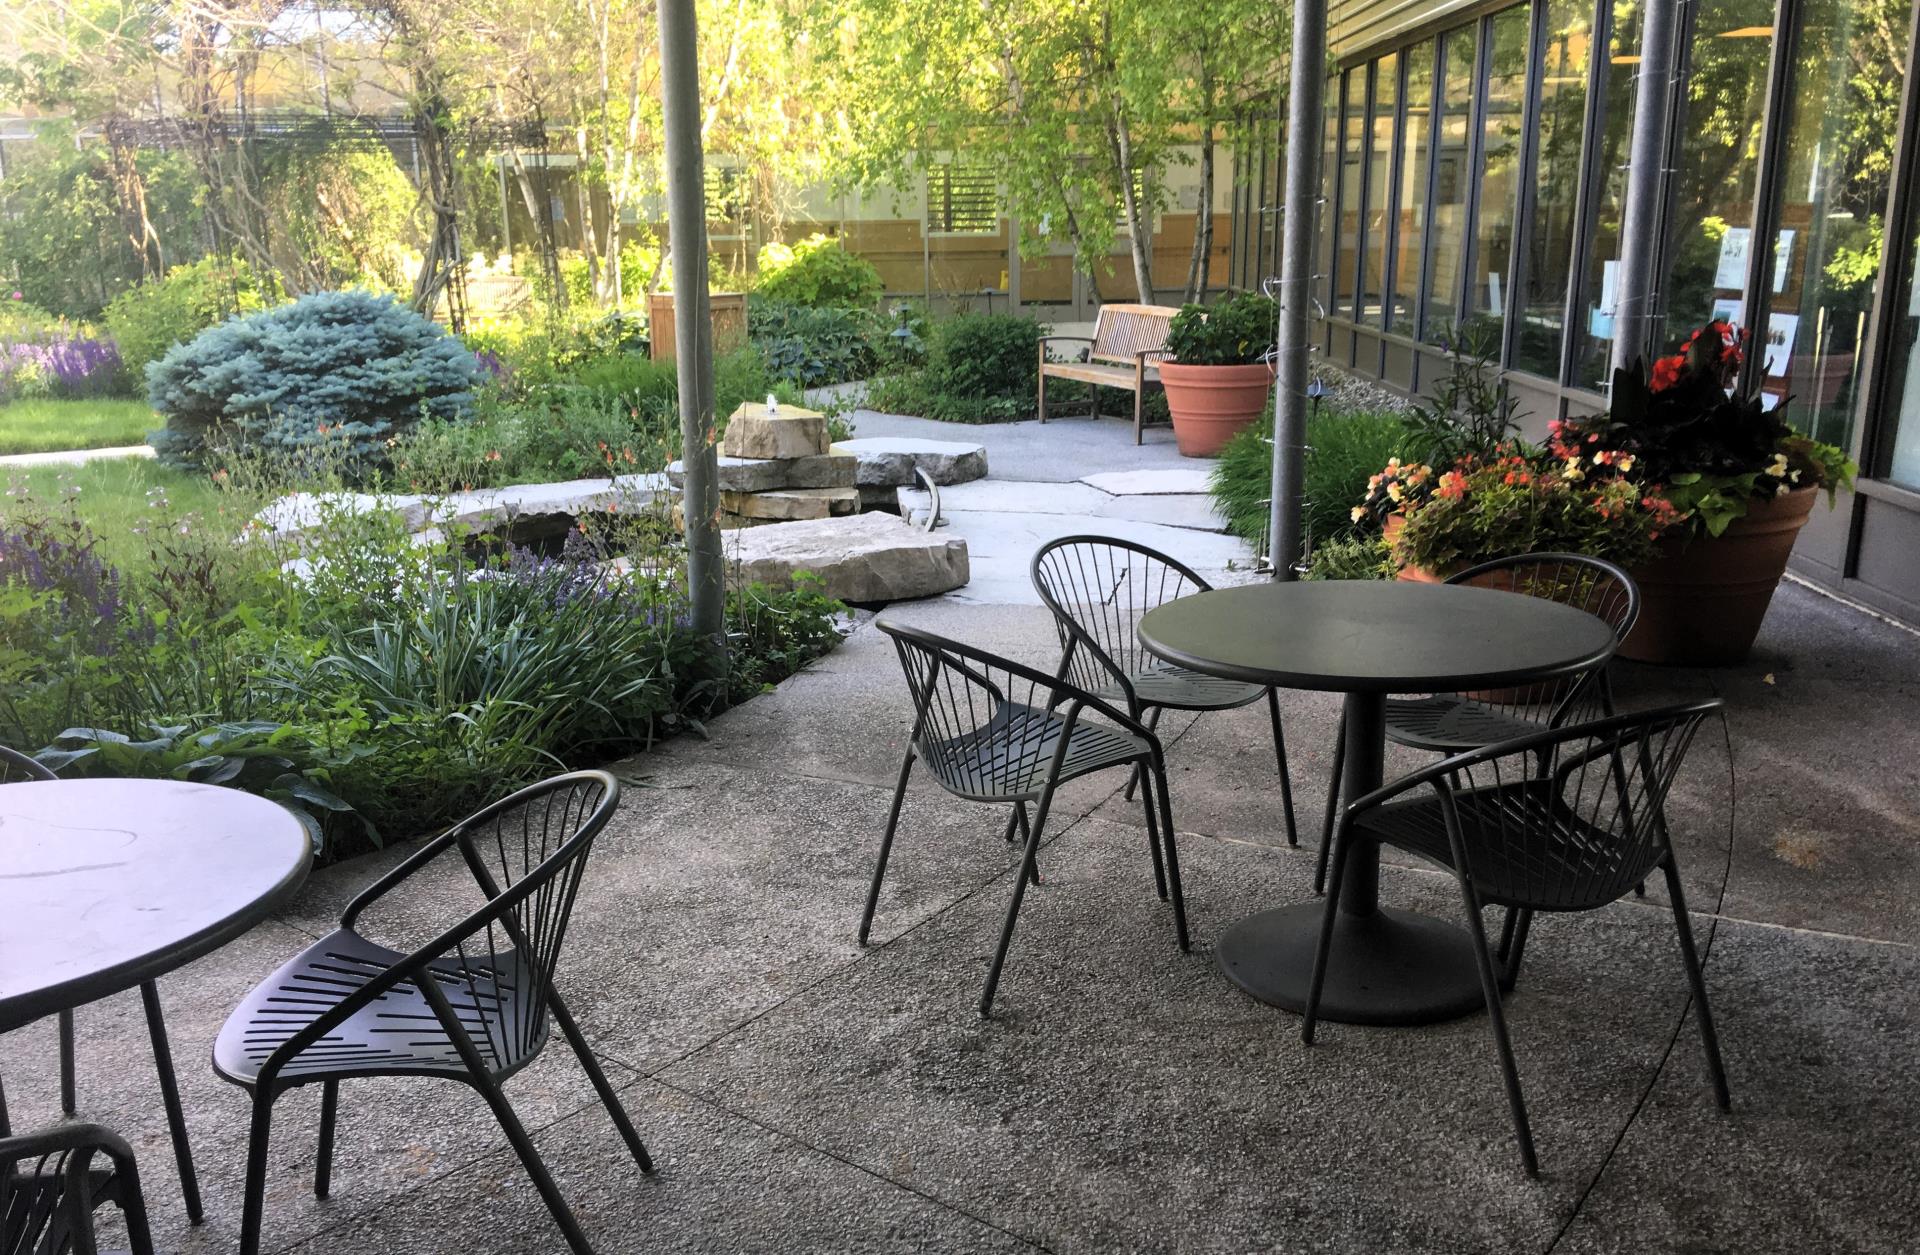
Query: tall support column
x=1296, y=284
x=692, y=320
x=1635, y=302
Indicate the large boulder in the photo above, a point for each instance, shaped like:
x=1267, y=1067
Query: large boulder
x=754, y=431
x=860, y=558
x=817, y=470
x=889, y=461
x=482, y=509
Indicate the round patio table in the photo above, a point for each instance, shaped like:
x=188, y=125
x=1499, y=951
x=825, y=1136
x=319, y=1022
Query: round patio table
x=108, y=884
x=1367, y=639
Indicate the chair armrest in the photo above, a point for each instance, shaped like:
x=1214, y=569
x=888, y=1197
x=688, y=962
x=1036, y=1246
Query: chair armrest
x=1144, y=354
x=1080, y=339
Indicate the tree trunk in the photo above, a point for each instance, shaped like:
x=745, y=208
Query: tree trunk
x=1139, y=234
x=1202, y=262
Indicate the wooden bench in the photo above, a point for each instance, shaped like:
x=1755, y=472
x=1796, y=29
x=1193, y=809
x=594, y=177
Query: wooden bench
x=1124, y=339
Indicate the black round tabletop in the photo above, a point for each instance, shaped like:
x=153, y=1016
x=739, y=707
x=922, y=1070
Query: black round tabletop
x=1375, y=636
x=108, y=883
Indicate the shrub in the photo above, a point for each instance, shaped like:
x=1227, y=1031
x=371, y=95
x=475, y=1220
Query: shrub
x=812, y=347
x=148, y=320
x=981, y=368
x=1344, y=448
x=357, y=368
x=817, y=271
x=1239, y=331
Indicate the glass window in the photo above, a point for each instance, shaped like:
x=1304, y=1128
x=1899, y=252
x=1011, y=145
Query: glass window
x=1499, y=173
x=1593, y=338
x=1453, y=173
x=1903, y=365
x=1556, y=187
x=1379, y=204
x=1329, y=208
x=1353, y=152
x=1720, y=126
x=1842, y=115
x=1415, y=144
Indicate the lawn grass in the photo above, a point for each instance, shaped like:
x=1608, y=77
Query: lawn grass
x=117, y=497
x=46, y=426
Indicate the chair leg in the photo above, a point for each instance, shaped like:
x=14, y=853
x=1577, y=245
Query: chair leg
x=1280, y=759
x=1513, y=945
x=1153, y=835
x=323, y=1159
x=1496, y=1016
x=1019, y=893
x=530, y=1160
x=886, y=847
x=253, y=1203
x=1133, y=781
x=1310, y=1018
x=69, y=1102
x=1333, y=805
x=1708, y=1037
x=1019, y=821
x=170, y=1097
x=591, y=1066
x=1173, y=855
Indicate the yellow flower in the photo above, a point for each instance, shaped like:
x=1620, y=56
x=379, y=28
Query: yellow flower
x=1359, y=512
x=1624, y=463
x=1779, y=468
x=1573, y=470
x=1395, y=492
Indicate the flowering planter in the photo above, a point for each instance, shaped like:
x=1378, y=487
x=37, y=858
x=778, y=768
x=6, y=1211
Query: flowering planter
x=1702, y=600
x=1210, y=403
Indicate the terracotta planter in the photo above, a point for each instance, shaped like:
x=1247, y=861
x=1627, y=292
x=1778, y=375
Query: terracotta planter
x=1701, y=602
x=1210, y=403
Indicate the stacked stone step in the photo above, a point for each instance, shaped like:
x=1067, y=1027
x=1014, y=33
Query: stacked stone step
x=775, y=466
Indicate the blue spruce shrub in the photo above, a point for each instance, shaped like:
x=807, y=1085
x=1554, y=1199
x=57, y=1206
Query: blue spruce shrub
x=347, y=371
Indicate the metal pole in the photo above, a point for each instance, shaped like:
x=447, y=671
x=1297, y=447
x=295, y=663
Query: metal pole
x=1635, y=288
x=692, y=322
x=1296, y=285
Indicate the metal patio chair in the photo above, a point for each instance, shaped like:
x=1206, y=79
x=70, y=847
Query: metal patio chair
x=992, y=730
x=50, y=1188
x=470, y=1005
x=1098, y=587
x=1565, y=819
x=1447, y=723
x=16, y=766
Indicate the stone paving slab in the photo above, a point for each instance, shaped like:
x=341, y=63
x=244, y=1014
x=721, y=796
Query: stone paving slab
x=722, y=1184
x=1139, y=1102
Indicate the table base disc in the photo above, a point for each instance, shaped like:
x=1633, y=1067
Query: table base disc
x=1390, y=967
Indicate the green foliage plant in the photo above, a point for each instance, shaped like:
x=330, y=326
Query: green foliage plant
x=147, y=320
x=1344, y=447
x=1239, y=331
x=811, y=347
x=351, y=367
x=816, y=272
x=980, y=368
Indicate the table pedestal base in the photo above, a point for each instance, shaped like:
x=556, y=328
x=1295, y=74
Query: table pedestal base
x=1387, y=967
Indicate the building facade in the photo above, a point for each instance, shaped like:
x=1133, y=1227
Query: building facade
x=1474, y=171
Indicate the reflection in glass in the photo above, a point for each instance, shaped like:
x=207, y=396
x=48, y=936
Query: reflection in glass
x=1329, y=174
x=1719, y=126
x=1373, y=243
x=1411, y=214
x=1903, y=365
x=1353, y=95
x=1593, y=338
x=1453, y=173
x=1499, y=177
x=1556, y=186
x=1842, y=116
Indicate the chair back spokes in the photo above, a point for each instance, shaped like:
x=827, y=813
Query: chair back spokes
x=1594, y=585
x=16, y=767
x=528, y=853
x=1098, y=587
x=982, y=723
x=1573, y=818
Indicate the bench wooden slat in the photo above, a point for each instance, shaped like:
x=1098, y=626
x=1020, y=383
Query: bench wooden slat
x=1120, y=334
x=1093, y=372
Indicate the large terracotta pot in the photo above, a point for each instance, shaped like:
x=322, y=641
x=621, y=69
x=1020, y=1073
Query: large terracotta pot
x=1702, y=600
x=1210, y=403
